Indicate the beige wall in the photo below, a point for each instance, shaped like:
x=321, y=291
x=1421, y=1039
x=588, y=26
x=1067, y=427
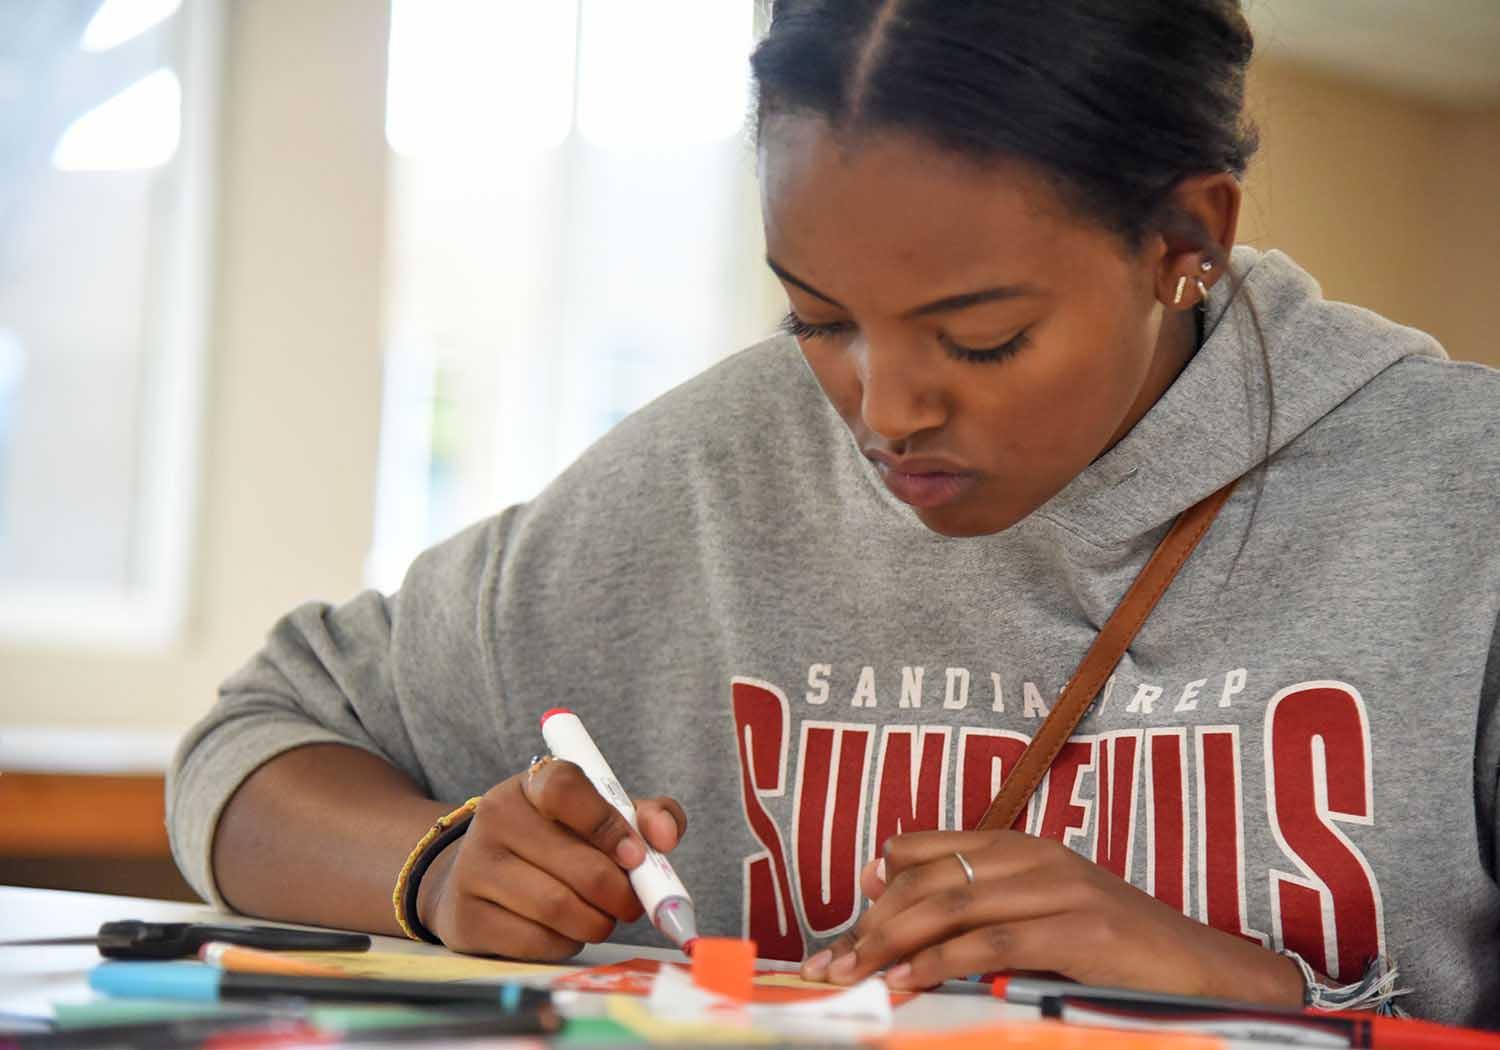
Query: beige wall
x=1390, y=201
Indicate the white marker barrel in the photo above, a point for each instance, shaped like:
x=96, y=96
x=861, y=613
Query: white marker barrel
x=662, y=893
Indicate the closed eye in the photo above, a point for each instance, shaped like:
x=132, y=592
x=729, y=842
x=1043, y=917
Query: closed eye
x=800, y=329
x=989, y=355
x=794, y=326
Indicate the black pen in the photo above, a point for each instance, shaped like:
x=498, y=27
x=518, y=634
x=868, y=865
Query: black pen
x=181, y=1033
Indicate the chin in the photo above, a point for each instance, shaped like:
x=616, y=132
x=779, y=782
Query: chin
x=959, y=523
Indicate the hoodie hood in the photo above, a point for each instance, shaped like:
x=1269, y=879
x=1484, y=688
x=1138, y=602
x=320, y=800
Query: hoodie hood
x=1210, y=426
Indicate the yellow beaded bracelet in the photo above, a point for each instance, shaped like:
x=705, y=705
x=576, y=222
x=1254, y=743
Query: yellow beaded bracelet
x=404, y=897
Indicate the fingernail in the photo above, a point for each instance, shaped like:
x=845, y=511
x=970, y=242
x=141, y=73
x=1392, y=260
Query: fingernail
x=629, y=852
x=842, y=967
x=880, y=869
x=814, y=967
x=898, y=976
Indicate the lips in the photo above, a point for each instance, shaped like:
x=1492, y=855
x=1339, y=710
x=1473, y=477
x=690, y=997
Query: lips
x=922, y=481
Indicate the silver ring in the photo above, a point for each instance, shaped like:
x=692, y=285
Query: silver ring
x=968, y=868
x=537, y=762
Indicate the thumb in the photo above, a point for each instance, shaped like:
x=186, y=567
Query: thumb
x=662, y=822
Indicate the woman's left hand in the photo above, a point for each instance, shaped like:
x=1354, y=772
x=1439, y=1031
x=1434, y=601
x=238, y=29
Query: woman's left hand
x=1036, y=905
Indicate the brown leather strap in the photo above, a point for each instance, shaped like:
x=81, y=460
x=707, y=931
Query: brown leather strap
x=1102, y=658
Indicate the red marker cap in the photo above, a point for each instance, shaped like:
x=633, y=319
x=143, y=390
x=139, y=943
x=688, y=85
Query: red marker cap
x=998, y=985
x=555, y=711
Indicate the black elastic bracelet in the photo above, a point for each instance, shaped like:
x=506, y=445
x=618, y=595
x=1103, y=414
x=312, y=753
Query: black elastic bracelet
x=414, y=879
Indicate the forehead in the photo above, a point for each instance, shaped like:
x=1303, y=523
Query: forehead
x=892, y=207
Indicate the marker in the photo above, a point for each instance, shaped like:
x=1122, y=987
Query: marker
x=199, y=983
x=221, y=1031
x=662, y=894
x=1245, y=1023
x=1031, y=991
x=252, y=960
x=1315, y=1028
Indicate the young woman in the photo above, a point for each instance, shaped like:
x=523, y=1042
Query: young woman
x=825, y=593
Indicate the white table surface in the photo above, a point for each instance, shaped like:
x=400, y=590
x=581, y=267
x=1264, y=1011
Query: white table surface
x=32, y=979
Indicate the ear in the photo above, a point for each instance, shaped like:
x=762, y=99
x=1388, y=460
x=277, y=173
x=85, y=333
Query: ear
x=1200, y=224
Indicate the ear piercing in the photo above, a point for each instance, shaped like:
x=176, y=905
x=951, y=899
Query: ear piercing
x=1205, y=266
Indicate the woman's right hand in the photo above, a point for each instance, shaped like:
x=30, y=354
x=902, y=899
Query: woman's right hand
x=542, y=869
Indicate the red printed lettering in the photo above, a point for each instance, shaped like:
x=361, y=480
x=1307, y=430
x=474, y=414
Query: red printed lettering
x=833, y=763
x=1118, y=764
x=1318, y=776
x=985, y=759
x=1064, y=814
x=911, y=784
x=1166, y=817
x=761, y=725
x=1221, y=833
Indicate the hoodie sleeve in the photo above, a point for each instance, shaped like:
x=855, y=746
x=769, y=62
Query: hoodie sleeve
x=395, y=676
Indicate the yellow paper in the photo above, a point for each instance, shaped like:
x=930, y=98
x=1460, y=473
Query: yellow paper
x=403, y=967
x=791, y=980
x=632, y=1013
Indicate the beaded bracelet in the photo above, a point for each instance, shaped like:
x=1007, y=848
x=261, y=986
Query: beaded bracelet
x=404, y=897
x=1375, y=990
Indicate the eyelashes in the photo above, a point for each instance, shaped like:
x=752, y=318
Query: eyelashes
x=794, y=326
x=799, y=329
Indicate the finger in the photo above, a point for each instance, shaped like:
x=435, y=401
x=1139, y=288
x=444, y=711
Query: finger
x=526, y=890
x=911, y=885
x=545, y=844
x=872, y=879
x=815, y=967
x=662, y=822
x=485, y=928
x=946, y=913
x=560, y=791
x=991, y=855
x=922, y=847
x=1027, y=944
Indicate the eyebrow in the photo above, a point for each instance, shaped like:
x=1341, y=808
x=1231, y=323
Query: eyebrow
x=947, y=304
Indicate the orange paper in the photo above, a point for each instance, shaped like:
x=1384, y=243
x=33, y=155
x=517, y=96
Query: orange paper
x=634, y=977
x=1046, y=1035
x=724, y=966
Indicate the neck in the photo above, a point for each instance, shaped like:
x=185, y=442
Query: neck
x=1175, y=347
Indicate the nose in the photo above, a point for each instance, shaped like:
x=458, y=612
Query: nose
x=900, y=390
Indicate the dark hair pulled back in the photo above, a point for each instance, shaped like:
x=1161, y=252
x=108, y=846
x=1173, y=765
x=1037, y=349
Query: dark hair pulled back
x=1112, y=101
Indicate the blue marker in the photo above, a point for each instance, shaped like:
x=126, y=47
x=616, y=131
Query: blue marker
x=200, y=983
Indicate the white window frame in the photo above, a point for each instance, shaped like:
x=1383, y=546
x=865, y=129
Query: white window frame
x=151, y=617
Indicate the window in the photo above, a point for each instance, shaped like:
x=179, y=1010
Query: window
x=575, y=229
x=103, y=250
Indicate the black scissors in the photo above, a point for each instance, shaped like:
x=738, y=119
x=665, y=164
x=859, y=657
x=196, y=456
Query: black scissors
x=134, y=939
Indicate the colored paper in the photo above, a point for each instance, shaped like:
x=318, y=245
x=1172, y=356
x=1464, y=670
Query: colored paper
x=423, y=967
x=634, y=977
x=725, y=965
x=847, y=1014
x=1046, y=1035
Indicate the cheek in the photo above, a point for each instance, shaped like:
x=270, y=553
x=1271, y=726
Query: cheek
x=1054, y=408
x=835, y=373
x=1103, y=376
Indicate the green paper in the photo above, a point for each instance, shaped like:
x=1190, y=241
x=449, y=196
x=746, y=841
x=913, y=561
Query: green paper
x=141, y=1011
x=594, y=1031
x=144, y=1011
x=356, y=1018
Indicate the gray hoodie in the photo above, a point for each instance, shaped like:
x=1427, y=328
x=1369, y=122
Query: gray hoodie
x=1302, y=750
